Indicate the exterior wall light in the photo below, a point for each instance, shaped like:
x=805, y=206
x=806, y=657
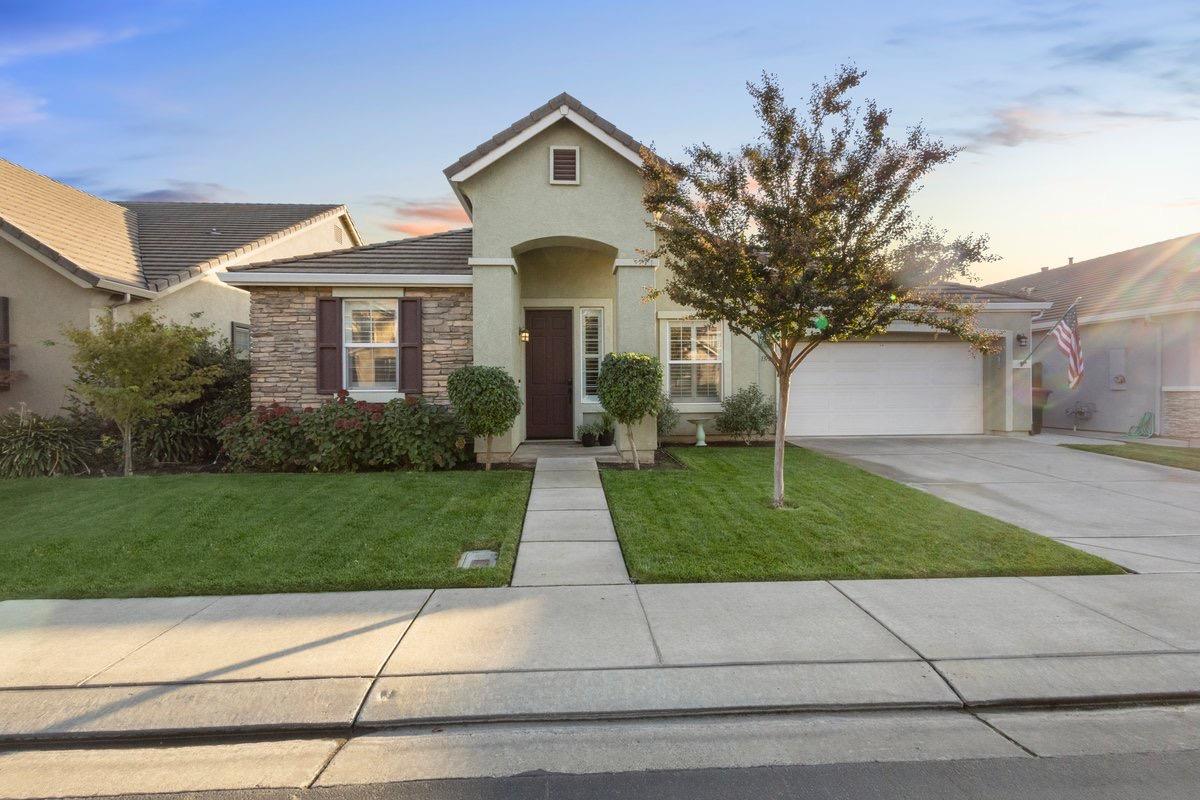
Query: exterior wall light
x=523, y=334
x=1022, y=340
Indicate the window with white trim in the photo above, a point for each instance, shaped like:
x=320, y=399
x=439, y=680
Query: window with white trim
x=371, y=344
x=591, y=350
x=694, y=362
x=564, y=165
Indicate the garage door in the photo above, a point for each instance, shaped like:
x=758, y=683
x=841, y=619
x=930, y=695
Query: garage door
x=882, y=388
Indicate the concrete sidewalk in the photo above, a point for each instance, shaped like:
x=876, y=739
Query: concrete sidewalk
x=346, y=662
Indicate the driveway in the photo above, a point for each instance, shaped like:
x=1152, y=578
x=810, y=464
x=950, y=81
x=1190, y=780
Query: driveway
x=1142, y=516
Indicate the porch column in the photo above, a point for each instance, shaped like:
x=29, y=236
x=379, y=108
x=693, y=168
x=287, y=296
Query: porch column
x=635, y=331
x=496, y=310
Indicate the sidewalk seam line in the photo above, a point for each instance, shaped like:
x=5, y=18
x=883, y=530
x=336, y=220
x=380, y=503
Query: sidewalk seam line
x=324, y=766
x=1002, y=733
x=383, y=665
x=649, y=628
x=1107, y=616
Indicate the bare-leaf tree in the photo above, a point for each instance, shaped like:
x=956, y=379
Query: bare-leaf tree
x=806, y=235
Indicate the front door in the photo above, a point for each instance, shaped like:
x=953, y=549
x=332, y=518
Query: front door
x=548, y=375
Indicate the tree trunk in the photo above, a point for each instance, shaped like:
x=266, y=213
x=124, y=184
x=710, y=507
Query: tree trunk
x=487, y=455
x=633, y=448
x=785, y=381
x=127, y=448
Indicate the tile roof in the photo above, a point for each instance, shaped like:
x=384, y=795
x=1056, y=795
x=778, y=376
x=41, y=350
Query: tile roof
x=535, y=116
x=140, y=245
x=436, y=254
x=1157, y=274
x=179, y=240
x=968, y=293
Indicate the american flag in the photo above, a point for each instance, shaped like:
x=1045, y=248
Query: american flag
x=1066, y=335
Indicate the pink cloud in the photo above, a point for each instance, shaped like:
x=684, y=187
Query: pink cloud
x=422, y=217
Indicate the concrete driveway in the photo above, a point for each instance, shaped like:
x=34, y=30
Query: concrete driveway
x=1142, y=516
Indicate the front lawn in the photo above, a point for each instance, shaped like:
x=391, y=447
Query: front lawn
x=1185, y=457
x=713, y=522
x=220, y=534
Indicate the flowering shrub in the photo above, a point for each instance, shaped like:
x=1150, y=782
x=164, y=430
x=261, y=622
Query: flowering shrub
x=345, y=435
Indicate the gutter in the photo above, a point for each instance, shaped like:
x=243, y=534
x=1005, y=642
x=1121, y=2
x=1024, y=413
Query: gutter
x=342, y=279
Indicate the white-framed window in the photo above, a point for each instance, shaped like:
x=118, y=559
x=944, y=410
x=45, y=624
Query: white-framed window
x=371, y=344
x=564, y=165
x=694, y=362
x=591, y=350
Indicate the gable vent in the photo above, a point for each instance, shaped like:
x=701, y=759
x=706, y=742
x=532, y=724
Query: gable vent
x=564, y=165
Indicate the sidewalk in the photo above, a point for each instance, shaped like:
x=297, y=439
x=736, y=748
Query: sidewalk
x=345, y=662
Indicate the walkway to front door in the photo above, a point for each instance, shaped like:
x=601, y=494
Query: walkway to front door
x=548, y=375
x=568, y=537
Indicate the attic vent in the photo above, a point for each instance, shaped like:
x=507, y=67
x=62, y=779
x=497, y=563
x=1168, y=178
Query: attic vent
x=564, y=165
x=337, y=234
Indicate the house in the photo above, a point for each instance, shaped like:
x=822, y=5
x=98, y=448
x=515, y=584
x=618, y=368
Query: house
x=1139, y=324
x=552, y=275
x=66, y=256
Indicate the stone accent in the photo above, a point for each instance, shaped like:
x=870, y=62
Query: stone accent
x=1181, y=415
x=283, y=338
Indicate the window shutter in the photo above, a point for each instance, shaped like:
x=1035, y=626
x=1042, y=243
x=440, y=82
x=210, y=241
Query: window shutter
x=411, y=379
x=5, y=343
x=329, y=345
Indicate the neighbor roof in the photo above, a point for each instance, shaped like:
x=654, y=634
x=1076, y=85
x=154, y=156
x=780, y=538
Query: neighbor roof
x=531, y=119
x=147, y=246
x=1161, y=274
x=437, y=254
x=974, y=294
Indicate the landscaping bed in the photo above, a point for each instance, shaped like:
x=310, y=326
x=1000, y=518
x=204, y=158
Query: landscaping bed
x=712, y=522
x=1182, y=457
x=167, y=535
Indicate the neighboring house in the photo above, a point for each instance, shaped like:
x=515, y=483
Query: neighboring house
x=66, y=256
x=1139, y=323
x=552, y=277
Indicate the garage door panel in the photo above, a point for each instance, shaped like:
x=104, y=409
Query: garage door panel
x=881, y=388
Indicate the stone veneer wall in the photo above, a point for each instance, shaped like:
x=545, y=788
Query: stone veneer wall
x=1181, y=415
x=283, y=338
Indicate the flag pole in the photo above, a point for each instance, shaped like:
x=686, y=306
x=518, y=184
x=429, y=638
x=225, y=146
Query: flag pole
x=1048, y=330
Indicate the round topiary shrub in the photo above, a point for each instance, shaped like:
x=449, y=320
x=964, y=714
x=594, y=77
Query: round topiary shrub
x=746, y=414
x=486, y=400
x=629, y=386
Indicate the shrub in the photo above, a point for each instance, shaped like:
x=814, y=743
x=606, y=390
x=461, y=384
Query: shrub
x=486, y=400
x=746, y=413
x=345, y=435
x=32, y=445
x=668, y=416
x=629, y=386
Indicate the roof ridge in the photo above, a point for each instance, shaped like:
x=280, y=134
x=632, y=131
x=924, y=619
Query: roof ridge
x=1047, y=271
x=63, y=184
x=127, y=203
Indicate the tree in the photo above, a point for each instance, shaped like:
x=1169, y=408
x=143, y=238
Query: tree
x=130, y=372
x=629, y=386
x=806, y=235
x=487, y=401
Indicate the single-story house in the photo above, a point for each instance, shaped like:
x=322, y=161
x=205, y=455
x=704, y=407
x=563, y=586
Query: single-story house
x=1139, y=325
x=552, y=275
x=67, y=256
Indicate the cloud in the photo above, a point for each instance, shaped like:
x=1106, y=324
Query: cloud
x=1043, y=19
x=1014, y=126
x=19, y=107
x=1102, y=53
x=421, y=217
x=20, y=45
x=179, y=191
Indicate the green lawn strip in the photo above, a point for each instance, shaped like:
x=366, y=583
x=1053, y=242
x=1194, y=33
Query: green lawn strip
x=712, y=522
x=240, y=533
x=1184, y=457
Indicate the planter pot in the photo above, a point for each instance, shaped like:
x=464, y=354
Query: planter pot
x=605, y=439
x=588, y=439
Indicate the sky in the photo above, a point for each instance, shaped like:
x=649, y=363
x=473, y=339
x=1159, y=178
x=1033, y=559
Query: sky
x=1079, y=122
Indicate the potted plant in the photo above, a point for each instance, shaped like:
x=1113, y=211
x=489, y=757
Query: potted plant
x=606, y=430
x=587, y=435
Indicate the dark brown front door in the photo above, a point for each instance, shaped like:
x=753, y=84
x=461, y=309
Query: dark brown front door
x=548, y=375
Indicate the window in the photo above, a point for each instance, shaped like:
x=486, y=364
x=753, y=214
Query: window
x=694, y=362
x=239, y=339
x=369, y=336
x=591, y=335
x=564, y=165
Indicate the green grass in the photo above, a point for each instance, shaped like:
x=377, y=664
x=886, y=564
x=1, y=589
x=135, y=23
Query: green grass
x=713, y=522
x=216, y=534
x=1185, y=457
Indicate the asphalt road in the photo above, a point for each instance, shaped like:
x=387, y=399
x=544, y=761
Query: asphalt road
x=1153, y=776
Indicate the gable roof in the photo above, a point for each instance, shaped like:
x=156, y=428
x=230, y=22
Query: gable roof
x=1154, y=275
x=561, y=106
x=139, y=246
x=979, y=294
x=436, y=254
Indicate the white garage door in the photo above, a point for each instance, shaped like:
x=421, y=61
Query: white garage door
x=881, y=388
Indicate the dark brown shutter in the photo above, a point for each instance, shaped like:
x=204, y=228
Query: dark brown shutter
x=5, y=343
x=329, y=345
x=565, y=165
x=410, y=346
